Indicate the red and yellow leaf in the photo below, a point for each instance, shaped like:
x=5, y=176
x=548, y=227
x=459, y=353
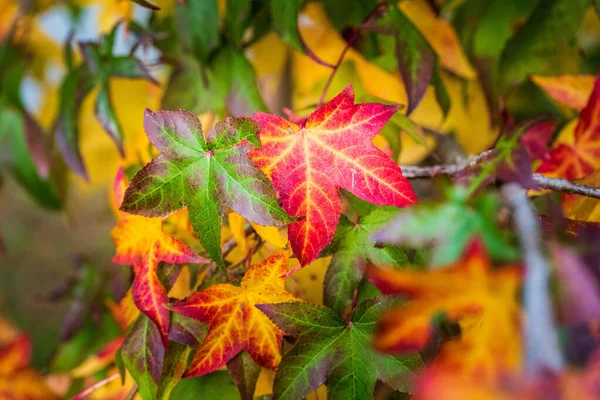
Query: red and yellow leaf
x=574, y=161
x=140, y=242
x=571, y=90
x=17, y=381
x=235, y=324
x=332, y=149
x=482, y=300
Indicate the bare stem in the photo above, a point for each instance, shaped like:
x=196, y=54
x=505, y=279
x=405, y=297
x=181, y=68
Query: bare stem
x=95, y=386
x=542, y=352
x=544, y=182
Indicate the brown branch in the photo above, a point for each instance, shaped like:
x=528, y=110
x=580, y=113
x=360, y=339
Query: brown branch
x=542, y=352
x=544, y=182
x=229, y=245
x=566, y=186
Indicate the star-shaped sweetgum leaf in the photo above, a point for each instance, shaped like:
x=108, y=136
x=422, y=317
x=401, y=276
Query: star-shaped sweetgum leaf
x=481, y=299
x=206, y=174
x=353, y=248
x=574, y=161
x=140, y=242
x=234, y=323
x=329, y=150
x=335, y=352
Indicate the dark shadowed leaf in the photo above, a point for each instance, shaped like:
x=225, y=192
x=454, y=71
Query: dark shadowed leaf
x=545, y=45
x=146, y=4
x=244, y=372
x=198, y=26
x=284, y=15
x=215, y=386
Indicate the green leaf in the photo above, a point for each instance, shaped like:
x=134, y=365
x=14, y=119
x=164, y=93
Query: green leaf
x=15, y=154
x=105, y=114
x=546, y=44
x=284, y=14
x=415, y=57
x=352, y=252
x=236, y=21
x=143, y=356
x=75, y=87
x=244, y=372
x=243, y=97
x=337, y=353
x=198, y=26
x=128, y=67
x=441, y=94
x=449, y=226
x=208, y=175
x=351, y=14
x=214, y=386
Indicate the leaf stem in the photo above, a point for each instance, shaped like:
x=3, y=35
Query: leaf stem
x=95, y=386
x=544, y=182
x=349, y=44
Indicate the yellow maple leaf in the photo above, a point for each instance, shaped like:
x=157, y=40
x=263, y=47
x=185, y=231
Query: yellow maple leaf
x=482, y=300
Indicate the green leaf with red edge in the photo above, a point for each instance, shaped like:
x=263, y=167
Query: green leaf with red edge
x=140, y=242
x=234, y=322
x=207, y=175
x=335, y=352
x=329, y=150
x=574, y=161
x=244, y=371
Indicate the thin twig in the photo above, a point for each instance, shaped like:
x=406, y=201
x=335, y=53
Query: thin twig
x=132, y=393
x=542, y=352
x=95, y=386
x=566, y=186
x=544, y=182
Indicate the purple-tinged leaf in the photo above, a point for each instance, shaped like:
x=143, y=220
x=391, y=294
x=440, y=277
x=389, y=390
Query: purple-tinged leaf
x=244, y=372
x=37, y=144
x=208, y=175
x=105, y=114
x=143, y=356
x=580, y=294
x=186, y=330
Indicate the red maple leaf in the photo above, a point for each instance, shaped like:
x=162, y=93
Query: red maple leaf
x=330, y=149
x=574, y=161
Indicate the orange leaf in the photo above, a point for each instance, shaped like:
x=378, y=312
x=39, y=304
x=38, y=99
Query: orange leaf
x=141, y=242
x=235, y=324
x=482, y=300
x=571, y=90
x=331, y=149
x=441, y=36
x=574, y=161
x=16, y=380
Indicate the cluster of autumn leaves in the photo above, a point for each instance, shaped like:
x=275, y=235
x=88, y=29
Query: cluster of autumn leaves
x=239, y=192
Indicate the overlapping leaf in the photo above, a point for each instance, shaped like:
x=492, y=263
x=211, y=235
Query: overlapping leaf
x=207, y=175
x=573, y=161
x=235, y=323
x=335, y=352
x=571, y=90
x=353, y=248
x=141, y=242
x=481, y=299
x=331, y=149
